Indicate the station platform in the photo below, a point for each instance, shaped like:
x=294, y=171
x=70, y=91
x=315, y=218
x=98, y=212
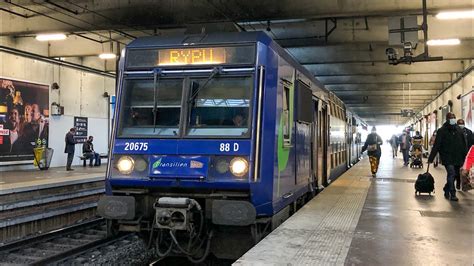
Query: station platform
x=360, y=220
x=34, y=201
x=28, y=180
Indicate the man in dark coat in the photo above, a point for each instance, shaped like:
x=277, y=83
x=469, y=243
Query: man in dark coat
x=451, y=145
x=372, y=145
x=89, y=152
x=70, y=147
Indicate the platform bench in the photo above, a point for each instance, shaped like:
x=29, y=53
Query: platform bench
x=84, y=159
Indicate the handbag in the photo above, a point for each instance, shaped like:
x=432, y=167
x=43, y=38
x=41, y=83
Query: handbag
x=372, y=147
x=467, y=181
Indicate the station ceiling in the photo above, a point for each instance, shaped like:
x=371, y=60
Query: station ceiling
x=342, y=42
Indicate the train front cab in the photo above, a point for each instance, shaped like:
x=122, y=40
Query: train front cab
x=181, y=162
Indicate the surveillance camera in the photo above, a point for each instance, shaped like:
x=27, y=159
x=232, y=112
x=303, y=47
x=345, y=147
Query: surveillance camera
x=392, y=55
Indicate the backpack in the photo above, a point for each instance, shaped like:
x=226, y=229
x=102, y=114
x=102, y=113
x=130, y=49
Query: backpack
x=373, y=147
x=424, y=183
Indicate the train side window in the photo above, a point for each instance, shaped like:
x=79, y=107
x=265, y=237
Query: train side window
x=286, y=115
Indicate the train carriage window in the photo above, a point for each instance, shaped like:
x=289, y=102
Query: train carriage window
x=138, y=117
x=221, y=107
x=303, y=103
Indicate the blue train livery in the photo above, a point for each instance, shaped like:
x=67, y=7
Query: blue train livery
x=217, y=139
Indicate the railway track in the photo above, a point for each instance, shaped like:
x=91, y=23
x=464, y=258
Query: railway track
x=69, y=245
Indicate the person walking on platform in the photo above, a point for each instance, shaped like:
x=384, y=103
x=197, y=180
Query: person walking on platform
x=468, y=138
x=432, y=141
x=372, y=145
x=70, y=147
x=451, y=145
x=394, y=143
x=405, y=141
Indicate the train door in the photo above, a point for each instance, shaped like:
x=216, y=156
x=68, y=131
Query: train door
x=314, y=142
x=323, y=139
x=303, y=120
x=348, y=140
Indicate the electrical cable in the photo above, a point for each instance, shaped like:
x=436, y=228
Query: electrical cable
x=157, y=248
x=82, y=20
x=150, y=238
x=206, y=251
x=106, y=17
x=62, y=21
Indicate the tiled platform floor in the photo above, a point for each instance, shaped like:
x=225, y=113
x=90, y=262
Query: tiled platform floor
x=19, y=181
x=359, y=220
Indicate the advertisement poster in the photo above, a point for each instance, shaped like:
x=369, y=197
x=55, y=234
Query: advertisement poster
x=80, y=123
x=24, y=118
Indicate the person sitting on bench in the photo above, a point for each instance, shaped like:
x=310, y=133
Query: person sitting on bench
x=89, y=153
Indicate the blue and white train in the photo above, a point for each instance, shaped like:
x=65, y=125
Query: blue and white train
x=217, y=139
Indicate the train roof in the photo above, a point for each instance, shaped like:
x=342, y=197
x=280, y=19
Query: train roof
x=202, y=39
x=223, y=38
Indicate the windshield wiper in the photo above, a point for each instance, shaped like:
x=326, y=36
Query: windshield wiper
x=156, y=74
x=214, y=72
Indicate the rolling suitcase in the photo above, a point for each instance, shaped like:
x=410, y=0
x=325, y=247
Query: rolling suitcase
x=424, y=183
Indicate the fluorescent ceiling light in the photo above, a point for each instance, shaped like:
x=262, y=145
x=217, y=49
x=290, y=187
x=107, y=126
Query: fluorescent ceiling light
x=444, y=42
x=455, y=14
x=51, y=37
x=106, y=56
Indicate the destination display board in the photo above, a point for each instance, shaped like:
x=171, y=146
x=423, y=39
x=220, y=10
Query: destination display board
x=140, y=58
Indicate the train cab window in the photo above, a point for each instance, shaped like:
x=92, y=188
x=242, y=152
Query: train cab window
x=220, y=107
x=139, y=116
x=286, y=115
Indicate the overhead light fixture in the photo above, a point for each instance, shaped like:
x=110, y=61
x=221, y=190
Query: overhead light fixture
x=106, y=56
x=466, y=14
x=443, y=42
x=51, y=37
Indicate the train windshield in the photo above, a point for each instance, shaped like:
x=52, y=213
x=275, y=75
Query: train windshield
x=214, y=106
x=140, y=115
x=220, y=107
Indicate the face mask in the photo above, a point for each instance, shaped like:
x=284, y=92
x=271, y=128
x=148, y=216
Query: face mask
x=452, y=121
x=374, y=131
x=461, y=126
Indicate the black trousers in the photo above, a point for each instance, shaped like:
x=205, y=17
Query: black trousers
x=70, y=157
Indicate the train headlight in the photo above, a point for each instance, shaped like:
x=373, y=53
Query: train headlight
x=222, y=166
x=125, y=165
x=239, y=166
x=140, y=164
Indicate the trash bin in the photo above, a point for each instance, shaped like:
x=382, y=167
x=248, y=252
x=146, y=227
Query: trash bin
x=43, y=157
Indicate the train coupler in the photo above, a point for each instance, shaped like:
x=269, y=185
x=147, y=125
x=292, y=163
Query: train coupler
x=175, y=213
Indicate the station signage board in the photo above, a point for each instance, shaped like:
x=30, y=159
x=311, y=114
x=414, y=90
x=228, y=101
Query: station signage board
x=81, y=125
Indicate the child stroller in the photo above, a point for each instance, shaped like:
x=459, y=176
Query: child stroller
x=416, y=154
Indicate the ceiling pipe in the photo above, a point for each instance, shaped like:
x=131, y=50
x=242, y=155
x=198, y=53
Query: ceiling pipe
x=61, y=21
x=45, y=59
x=14, y=13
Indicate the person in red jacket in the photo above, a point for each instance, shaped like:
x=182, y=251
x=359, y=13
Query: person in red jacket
x=466, y=168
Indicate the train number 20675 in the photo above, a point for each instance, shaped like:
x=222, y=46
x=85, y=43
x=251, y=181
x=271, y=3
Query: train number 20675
x=136, y=146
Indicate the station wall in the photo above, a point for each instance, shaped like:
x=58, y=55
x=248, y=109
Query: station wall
x=461, y=87
x=81, y=94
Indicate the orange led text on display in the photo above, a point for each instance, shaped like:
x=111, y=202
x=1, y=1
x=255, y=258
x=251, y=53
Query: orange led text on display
x=192, y=56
